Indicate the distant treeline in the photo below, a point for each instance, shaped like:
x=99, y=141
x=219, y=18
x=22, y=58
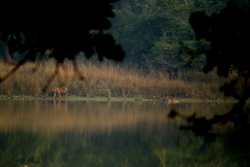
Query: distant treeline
x=150, y=32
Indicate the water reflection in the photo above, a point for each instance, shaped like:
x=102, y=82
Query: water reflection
x=88, y=116
x=76, y=133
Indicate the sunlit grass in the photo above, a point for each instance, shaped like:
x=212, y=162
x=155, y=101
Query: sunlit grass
x=110, y=80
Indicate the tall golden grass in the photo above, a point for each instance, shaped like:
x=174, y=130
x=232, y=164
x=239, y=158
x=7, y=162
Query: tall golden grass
x=110, y=80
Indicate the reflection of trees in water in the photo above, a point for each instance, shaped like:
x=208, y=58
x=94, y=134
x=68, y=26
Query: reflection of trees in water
x=73, y=150
x=108, y=134
x=118, y=149
x=191, y=150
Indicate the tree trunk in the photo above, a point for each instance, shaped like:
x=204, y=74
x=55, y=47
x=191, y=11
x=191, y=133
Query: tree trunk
x=4, y=51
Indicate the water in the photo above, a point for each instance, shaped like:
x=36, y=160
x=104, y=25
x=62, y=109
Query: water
x=124, y=134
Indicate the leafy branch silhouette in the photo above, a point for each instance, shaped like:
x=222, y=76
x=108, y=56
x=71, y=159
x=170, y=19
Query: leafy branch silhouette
x=227, y=35
x=59, y=30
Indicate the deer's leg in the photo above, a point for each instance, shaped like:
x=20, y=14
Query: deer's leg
x=59, y=93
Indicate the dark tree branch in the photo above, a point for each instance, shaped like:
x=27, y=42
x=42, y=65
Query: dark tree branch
x=65, y=28
x=228, y=36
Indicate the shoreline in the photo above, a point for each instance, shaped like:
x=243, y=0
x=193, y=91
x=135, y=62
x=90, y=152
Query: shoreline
x=78, y=98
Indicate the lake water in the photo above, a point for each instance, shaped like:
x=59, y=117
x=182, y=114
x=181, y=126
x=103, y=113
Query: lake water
x=106, y=134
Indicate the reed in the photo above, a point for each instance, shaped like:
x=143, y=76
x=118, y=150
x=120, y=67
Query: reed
x=109, y=80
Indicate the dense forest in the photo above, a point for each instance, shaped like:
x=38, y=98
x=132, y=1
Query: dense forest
x=150, y=32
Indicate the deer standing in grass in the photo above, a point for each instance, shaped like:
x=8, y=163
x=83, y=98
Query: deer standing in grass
x=60, y=89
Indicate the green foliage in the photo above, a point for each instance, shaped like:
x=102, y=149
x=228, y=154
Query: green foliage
x=136, y=32
x=150, y=32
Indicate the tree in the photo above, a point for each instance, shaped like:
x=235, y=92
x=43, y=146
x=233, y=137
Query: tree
x=165, y=55
x=62, y=29
x=227, y=34
x=136, y=29
x=4, y=52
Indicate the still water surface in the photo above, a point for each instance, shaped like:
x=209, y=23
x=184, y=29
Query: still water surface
x=123, y=134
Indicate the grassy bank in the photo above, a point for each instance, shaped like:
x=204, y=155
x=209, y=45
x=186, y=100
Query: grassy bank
x=110, y=80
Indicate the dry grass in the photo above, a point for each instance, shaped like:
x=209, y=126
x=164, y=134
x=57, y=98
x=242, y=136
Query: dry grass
x=110, y=80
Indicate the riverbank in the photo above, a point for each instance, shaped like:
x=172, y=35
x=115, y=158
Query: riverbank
x=77, y=98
